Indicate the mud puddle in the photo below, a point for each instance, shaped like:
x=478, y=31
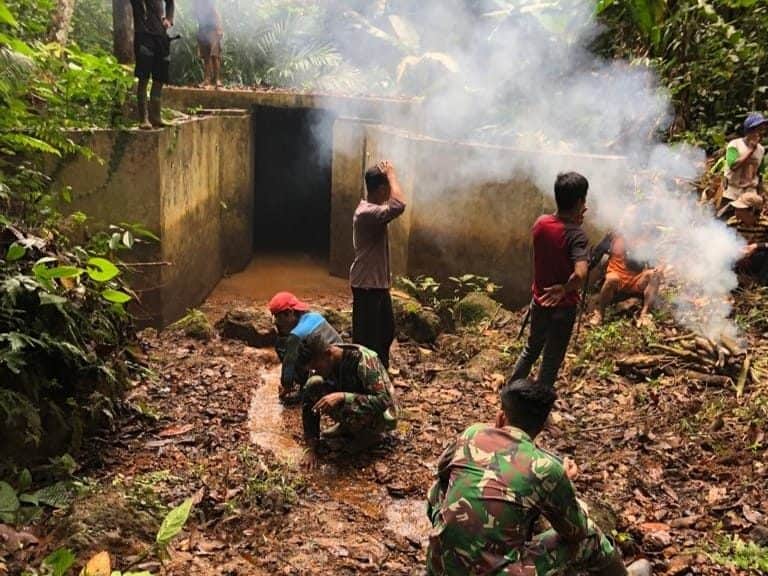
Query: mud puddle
x=305, y=276
x=267, y=422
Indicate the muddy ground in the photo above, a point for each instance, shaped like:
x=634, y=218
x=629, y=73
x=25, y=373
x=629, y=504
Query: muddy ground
x=671, y=464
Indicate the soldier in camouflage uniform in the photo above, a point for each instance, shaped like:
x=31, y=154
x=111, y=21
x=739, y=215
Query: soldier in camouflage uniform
x=352, y=387
x=494, y=483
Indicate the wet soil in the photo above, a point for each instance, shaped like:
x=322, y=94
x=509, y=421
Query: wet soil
x=675, y=465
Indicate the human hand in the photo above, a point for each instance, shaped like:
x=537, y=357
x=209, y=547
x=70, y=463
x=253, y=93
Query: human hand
x=571, y=469
x=749, y=250
x=167, y=23
x=553, y=295
x=328, y=402
x=387, y=168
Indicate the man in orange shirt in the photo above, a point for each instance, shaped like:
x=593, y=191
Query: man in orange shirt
x=627, y=276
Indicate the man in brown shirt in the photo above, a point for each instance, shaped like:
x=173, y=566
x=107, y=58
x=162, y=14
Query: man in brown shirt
x=373, y=323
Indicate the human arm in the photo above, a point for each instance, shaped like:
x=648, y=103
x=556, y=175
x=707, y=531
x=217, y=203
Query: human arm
x=578, y=253
x=395, y=204
x=437, y=490
x=554, y=294
x=559, y=504
x=735, y=160
x=290, y=357
x=169, y=11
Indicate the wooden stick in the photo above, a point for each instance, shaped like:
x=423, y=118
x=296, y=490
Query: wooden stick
x=743, y=376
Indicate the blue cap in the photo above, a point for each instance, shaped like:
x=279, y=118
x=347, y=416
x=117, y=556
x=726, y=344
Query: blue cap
x=753, y=121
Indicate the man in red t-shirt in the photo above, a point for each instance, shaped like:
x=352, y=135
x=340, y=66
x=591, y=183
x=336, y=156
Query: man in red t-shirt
x=560, y=267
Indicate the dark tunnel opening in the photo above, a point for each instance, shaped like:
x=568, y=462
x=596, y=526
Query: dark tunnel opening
x=294, y=151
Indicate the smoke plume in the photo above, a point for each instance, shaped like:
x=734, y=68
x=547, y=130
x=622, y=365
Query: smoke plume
x=520, y=73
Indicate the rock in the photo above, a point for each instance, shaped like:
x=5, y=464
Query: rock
x=657, y=540
x=475, y=307
x=195, y=325
x=252, y=326
x=414, y=321
x=679, y=565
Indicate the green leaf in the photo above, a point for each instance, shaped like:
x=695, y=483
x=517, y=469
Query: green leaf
x=15, y=252
x=6, y=17
x=25, y=479
x=57, y=495
x=116, y=296
x=9, y=502
x=60, y=561
x=101, y=269
x=58, y=272
x=173, y=523
x=603, y=5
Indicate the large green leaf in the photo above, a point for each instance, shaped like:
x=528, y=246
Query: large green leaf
x=15, y=252
x=173, y=523
x=102, y=270
x=6, y=17
x=57, y=272
x=9, y=502
x=116, y=296
x=60, y=561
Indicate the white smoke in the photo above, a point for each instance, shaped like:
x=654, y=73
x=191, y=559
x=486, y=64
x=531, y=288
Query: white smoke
x=523, y=76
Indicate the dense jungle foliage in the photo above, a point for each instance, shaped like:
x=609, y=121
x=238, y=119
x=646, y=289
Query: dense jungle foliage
x=63, y=326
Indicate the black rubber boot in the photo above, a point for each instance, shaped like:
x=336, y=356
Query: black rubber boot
x=155, y=113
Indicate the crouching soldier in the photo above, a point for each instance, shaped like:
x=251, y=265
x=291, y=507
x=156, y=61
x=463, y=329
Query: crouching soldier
x=352, y=387
x=295, y=325
x=493, y=483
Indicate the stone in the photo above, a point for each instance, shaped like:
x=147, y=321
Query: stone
x=252, y=326
x=474, y=308
x=414, y=321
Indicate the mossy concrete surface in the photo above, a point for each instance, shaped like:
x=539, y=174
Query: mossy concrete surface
x=191, y=184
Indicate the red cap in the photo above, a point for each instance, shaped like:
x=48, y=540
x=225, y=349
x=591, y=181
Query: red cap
x=283, y=301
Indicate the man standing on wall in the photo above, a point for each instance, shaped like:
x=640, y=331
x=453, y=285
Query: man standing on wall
x=560, y=265
x=209, y=34
x=152, y=49
x=373, y=322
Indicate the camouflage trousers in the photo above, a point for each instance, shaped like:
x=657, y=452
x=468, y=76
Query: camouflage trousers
x=351, y=420
x=545, y=555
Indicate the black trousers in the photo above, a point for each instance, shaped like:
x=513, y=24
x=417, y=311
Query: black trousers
x=373, y=322
x=550, y=333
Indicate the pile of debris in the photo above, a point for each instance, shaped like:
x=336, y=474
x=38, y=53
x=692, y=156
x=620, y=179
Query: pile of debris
x=694, y=357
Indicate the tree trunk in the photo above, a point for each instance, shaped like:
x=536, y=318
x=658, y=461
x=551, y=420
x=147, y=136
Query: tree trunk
x=62, y=21
x=122, y=23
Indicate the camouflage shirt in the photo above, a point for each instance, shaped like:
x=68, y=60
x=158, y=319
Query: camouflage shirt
x=493, y=483
x=368, y=392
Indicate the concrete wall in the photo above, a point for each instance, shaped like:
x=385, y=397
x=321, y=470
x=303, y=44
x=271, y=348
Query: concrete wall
x=192, y=185
x=457, y=221
x=392, y=111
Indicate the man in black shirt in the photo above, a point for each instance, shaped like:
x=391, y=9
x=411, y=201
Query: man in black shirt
x=152, y=49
